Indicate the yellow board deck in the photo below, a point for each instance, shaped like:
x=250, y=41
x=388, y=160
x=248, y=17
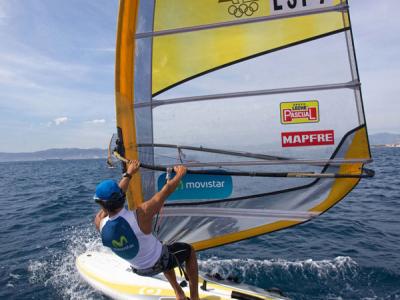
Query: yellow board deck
x=113, y=277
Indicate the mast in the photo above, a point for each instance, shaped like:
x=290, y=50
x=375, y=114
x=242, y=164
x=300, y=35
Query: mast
x=124, y=89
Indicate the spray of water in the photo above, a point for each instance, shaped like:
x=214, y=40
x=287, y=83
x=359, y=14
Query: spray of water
x=60, y=272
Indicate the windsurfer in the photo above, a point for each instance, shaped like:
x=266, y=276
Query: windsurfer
x=129, y=233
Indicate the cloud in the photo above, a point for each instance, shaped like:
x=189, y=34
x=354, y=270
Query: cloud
x=60, y=120
x=57, y=122
x=96, y=121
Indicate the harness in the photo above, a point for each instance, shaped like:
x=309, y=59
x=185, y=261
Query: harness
x=161, y=265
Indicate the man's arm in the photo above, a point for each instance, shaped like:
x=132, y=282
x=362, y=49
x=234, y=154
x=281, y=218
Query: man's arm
x=100, y=216
x=147, y=210
x=132, y=168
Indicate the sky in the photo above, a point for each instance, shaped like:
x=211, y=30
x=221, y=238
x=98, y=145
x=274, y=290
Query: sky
x=57, y=70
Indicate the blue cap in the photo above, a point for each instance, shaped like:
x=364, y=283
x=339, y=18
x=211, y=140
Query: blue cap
x=108, y=190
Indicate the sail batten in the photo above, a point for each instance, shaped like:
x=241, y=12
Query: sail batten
x=321, y=87
x=271, y=162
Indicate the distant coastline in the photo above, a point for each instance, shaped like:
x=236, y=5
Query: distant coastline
x=384, y=139
x=387, y=146
x=55, y=154
x=389, y=140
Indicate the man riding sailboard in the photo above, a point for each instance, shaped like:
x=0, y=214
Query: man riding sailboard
x=129, y=233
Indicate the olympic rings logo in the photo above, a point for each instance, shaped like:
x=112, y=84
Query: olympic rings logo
x=150, y=291
x=243, y=9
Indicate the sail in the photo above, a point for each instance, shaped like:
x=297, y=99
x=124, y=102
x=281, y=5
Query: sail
x=261, y=99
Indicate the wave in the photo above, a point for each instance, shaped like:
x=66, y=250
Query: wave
x=337, y=278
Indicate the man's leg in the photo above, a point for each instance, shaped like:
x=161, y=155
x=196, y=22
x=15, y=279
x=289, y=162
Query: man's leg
x=170, y=275
x=193, y=274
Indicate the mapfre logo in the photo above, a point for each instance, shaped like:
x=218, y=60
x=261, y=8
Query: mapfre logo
x=308, y=138
x=299, y=112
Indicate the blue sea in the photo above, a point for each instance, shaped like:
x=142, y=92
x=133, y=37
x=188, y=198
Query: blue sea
x=350, y=252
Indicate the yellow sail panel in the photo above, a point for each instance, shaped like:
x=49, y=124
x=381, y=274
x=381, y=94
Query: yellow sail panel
x=200, y=12
x=359, y=149
x=124, y=91
x=181, y=56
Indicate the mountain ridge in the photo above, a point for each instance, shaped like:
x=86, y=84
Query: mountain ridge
x=55, y=154
x=98, y=153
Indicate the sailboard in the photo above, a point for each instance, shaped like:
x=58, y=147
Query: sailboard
x=114, y=277
x=260, y=99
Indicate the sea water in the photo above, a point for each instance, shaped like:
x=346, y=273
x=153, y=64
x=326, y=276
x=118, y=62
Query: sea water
x=350, y=252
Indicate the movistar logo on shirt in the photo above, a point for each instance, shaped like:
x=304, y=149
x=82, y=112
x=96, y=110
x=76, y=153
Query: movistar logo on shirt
x=119, y=237
x=119, y=244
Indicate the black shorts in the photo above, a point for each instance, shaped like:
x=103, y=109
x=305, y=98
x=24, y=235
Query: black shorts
x=178, y=253
x=172, y=256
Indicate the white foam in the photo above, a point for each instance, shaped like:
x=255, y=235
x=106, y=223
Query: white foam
x=15, y=276
x=340, y=266
x=59, y=271
x=37, y=270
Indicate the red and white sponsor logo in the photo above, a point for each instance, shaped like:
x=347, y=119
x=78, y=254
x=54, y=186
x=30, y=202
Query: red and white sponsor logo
x=308, y=138
x=299, y=112
x=310, y=114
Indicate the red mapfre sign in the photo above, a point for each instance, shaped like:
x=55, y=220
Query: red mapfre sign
x=308, y=138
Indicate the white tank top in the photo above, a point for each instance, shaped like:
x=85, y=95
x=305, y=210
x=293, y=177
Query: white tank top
x=122, y=234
